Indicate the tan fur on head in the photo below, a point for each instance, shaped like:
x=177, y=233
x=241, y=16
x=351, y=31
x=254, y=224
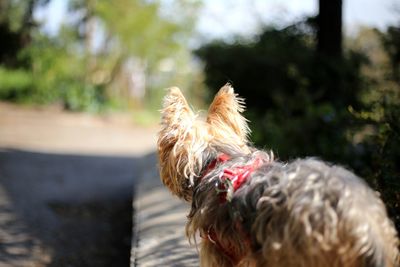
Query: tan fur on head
x=184, y=138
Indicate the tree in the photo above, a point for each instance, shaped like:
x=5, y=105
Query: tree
x=108, y=53
x=137, y=36
x=391, y=42
x=16, y=25
x=288, y=90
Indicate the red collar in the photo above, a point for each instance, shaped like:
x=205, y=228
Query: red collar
x=231, y=179
x=220, y=159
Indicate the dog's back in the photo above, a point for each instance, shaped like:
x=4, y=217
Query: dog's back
x=307, y=213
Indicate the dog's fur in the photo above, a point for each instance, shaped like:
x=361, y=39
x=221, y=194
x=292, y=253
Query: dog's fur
x=305, y=213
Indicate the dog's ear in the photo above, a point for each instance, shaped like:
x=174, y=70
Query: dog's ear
x=176, y=120
x=176, y=113
x=225, y=113
x=178, y=144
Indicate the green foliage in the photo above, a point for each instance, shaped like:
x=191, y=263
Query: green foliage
x=297, y=101
x=137, y=34
x=14, y=84
x=139, y=27
x=108, y=56
x=391, y=41
x=18, y=13
x=378, y=134
x=55, y=75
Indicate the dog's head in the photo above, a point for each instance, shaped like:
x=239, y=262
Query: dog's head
x=186, y=141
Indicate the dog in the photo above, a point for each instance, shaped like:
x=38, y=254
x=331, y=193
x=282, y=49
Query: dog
x=249, y=209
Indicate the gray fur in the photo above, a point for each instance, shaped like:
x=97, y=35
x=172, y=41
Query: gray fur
x=294, y=213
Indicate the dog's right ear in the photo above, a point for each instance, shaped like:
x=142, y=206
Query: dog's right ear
x=225, y=117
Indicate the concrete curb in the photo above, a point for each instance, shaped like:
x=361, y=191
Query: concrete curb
x=159, y=225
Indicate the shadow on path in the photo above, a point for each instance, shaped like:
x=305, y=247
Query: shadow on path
x=160, y=218
x=66, y=210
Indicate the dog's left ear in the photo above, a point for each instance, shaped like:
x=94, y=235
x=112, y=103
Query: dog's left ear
x=224, y=114
x=175, y=158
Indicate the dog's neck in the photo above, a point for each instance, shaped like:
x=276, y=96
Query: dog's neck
x=213, y=162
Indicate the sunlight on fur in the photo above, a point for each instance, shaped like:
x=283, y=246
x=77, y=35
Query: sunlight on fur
x=251, y=210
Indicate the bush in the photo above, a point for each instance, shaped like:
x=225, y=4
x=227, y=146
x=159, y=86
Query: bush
x=15, y=85
x=297, y=101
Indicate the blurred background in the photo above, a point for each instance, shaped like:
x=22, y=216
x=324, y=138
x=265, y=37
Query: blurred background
x=320, y=77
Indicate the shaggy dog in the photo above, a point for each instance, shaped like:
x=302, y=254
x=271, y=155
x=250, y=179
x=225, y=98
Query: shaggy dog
x=251, y=210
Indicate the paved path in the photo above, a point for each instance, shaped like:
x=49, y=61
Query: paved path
x=159, y=238
x=17, y=246
x=66, y=189
x=65, y=210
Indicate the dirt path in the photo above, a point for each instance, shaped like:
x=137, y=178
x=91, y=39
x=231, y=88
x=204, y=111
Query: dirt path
x=66, y=186
x=54, y=130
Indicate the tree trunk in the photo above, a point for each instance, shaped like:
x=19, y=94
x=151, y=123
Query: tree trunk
x=329, y=34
